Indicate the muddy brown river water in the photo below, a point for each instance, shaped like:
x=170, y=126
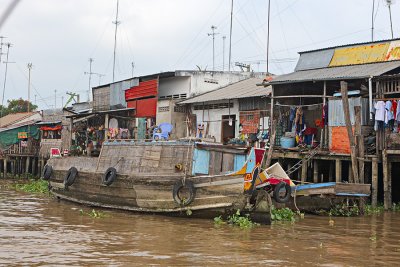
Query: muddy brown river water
x=37, y=231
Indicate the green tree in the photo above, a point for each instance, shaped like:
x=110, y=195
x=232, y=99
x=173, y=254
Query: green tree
x=17, y=106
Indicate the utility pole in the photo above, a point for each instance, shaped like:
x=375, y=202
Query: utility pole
x=35, y=100
x=5, y=79
x=269, y=9
x=29, y=86
x=90, y=73
x=223, y=52
x=55, y=99
x=116, y=22
x=389, y=3
x=90, y=78
x=372, y=20
x=230, y=40
x=213, y=28
x=1, y=46
x=133, y=67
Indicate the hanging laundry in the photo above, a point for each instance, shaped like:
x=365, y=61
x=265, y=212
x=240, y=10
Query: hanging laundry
x=394, y=109
x=379, y=111
x=398, y=111
x=388, y=111
x=299, y=115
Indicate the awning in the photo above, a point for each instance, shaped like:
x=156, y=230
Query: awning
x=337, y=73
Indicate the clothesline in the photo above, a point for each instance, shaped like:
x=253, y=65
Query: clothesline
x=296, y=106
x=383, y=99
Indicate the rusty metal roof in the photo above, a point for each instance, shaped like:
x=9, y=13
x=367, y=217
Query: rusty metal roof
x=241, y=89
x=15, y=118
x=337, y=73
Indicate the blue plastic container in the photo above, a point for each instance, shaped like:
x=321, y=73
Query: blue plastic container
x=287, y=142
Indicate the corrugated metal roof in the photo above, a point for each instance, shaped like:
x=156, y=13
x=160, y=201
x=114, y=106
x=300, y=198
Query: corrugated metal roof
x=314, y=60
x=241, y=89
x=14, y=118
x=349, y=45
x=337, y=73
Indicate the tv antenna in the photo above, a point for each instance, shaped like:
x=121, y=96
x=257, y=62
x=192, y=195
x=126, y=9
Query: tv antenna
x=213, y=28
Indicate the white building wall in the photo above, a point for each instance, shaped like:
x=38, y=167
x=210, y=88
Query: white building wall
x=213, y=118
x=197, y=82
x=174, y=86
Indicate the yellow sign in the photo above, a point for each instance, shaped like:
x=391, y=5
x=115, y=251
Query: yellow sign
x=360, y=54
x=22, y=135
x=393, y=52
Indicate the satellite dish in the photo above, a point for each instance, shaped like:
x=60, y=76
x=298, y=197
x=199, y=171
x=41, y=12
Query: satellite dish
x=113, y=123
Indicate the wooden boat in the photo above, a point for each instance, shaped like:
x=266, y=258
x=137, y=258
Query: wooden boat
x=157, y=177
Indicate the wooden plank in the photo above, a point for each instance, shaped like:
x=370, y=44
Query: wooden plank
x=228, y=162
x=346, y=109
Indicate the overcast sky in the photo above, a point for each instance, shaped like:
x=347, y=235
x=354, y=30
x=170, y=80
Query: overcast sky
x=60, y=36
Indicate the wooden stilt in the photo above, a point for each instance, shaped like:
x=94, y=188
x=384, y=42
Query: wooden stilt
x=331, y=171
x=346, y=109
x=390, y=184
x=34, y=166
x=374, y=183
x=303, y=172
x=351, y=173
x=338, y=170
x=386, y=192
x=360, y=143
x=27, y=166
x=5, y=167
x=315, y=178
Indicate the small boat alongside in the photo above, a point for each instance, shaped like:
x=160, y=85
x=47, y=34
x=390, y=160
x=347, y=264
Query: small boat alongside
x=168, y=177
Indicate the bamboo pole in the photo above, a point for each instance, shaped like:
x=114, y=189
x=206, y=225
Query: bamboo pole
x=346, y=109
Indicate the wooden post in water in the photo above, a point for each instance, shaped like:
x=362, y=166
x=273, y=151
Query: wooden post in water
x=315, y=177
x=374, y=183
x=338, y=170
x=34, y=166
x=360, y=143
x=346, y=109
x=303, y=172
x=27, y=161
x=5, y=167
x=386, y=190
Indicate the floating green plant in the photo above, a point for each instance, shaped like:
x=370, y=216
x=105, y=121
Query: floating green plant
x=33, y=186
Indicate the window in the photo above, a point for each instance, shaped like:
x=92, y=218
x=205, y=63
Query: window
x=213, y=106
x=163, y=109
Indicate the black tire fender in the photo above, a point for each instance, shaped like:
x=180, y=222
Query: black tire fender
x=178, y=186
x=109, y=176
x=276, y=194
x=47, y=171
x=70, y=177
